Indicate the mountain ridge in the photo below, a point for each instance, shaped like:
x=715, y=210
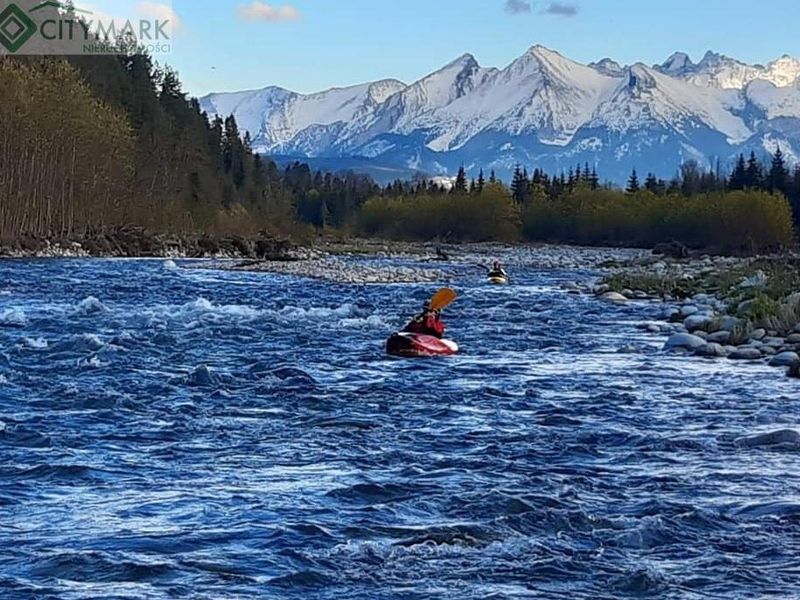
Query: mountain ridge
x=542, y=109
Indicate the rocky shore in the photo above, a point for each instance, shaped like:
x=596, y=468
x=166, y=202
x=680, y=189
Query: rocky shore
x=419, y=263
x=136, y=242
x=744, y=309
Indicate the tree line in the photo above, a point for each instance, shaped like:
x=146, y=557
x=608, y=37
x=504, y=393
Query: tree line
x=88, y=142
x=744, y=211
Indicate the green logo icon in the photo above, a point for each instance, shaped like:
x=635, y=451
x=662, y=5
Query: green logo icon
x=16, y=28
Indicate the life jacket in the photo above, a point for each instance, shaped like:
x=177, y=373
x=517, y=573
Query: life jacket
x=426, y=324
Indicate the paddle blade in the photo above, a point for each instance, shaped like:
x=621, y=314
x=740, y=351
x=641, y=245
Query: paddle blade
x=442, y=299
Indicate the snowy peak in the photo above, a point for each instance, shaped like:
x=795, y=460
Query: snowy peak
x=676, y=64
x=722, y=72
x=542, y=107
x=608, y=67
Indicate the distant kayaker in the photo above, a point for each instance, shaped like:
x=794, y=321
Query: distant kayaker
x=427, y=323
x=498, y=271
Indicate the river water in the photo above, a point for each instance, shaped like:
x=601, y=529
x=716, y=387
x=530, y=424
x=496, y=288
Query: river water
x=181, y=433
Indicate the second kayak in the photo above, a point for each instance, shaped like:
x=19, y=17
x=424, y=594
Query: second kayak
x=498, y=280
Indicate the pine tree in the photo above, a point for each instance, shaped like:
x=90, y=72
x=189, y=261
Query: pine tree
x=738, y=177
x=633, y=183
x=492, y=177
x=519, y=185
x=752, y=179
x=651, y=183
x=594, y=179
x=481, y=182
x=460, y=186
x=778, y=174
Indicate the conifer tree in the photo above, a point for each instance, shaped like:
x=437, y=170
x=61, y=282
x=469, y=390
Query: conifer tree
x=778, y=174
x=752, y=178
x=633, y=183
x=738, y=176
x=460, y=186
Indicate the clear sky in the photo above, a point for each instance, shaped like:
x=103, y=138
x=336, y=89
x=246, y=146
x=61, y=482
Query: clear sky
x=310, y=45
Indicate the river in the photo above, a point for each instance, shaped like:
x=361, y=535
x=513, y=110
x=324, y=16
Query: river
x=183, y=433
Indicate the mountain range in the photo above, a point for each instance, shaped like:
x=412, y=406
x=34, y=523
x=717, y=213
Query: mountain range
x=541, y=110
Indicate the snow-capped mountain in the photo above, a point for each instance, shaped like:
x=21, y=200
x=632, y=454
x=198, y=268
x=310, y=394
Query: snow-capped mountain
x=541, y=110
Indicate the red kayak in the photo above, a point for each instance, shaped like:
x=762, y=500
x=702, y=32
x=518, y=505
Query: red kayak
x=415, y=345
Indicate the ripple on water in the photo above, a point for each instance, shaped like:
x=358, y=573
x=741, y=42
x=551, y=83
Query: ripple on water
x=167, y=433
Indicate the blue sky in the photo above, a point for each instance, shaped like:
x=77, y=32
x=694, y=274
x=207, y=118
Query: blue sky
x=310, y=45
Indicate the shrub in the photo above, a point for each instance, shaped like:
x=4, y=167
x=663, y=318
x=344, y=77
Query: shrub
x=734, y=222
x=487, y=216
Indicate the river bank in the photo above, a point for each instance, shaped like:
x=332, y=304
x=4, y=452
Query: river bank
x=745, y=309
x=137, y=242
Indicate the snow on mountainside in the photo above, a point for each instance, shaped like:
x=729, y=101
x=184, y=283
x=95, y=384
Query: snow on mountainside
x=716, y=70
x=542, y=108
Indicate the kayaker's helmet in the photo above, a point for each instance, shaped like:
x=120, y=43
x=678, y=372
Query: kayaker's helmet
x=496, y=264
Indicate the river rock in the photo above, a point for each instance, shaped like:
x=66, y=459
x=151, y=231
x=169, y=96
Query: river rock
x=711, y=350
x=720, y=337
x=793, y=338
x=758, y=334
x=774, y=341
x=689, y=310
x=614, y=297
x=773, y=438
x=685, y=341
x=785, y=359
x=697, y=321
x=794, y=371
x=745, y=353
x=797, y=328
x=729, y=323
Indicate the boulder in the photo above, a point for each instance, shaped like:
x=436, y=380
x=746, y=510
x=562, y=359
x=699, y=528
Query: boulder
x=711, y=350
x=772, y=438
x=785, y=359
x=697, y=321
x=758, y=334
x=730, y=323
x=745, y=353
x=793, y=338
x=720, y=337
x=685, y=341
x=689, y=310
x=614, y=297
x=794, y=371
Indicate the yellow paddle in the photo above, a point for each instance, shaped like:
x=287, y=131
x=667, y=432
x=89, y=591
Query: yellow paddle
x=442, y=299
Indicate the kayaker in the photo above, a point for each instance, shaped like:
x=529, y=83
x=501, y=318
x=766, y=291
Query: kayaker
x=498, y=271
x=427, y=323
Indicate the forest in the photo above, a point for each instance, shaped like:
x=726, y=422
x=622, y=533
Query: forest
x=92, y=142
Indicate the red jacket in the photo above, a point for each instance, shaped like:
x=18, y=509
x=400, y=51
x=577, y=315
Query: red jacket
x=427, y=324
